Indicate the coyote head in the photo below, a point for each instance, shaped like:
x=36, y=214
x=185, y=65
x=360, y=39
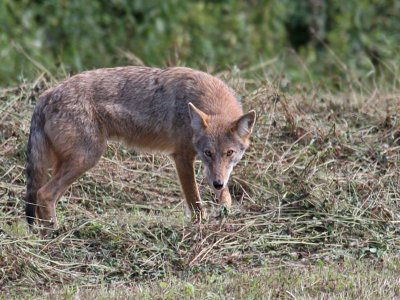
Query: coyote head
x=220, y=142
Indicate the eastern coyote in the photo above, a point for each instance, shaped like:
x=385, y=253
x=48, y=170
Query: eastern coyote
x=178, y=111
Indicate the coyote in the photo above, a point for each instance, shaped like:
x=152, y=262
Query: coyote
x=178, y=111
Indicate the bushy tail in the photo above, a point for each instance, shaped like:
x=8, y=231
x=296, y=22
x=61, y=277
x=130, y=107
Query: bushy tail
x=38, y=157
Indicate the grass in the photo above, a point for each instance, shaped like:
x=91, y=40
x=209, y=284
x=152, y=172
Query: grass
x=290, y=281
x=315, y=215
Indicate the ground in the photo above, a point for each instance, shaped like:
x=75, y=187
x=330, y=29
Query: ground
x=315, y=212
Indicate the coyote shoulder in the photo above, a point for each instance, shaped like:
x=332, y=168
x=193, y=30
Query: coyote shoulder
x=178, y=111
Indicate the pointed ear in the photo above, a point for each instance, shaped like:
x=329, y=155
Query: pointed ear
x=244, y=125
x=199, y=120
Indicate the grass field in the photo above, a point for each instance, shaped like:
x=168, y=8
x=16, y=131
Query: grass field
x=316, y=209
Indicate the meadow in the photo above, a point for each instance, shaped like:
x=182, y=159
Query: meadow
x=315, y=207
x=316, y=198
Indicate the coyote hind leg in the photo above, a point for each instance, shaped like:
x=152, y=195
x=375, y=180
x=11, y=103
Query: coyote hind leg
x=65, y=172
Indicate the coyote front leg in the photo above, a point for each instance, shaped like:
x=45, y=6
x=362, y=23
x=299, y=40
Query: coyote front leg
x=224, y=198
x=184, y=163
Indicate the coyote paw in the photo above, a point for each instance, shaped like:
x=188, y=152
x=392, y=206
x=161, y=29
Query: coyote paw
x=48, y=227
x=199, y=216
x=223, y=212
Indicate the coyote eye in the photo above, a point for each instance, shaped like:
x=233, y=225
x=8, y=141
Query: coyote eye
x=207, y=153
x=229, y=152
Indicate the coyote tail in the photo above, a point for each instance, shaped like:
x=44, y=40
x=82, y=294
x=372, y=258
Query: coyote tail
x=38, y=157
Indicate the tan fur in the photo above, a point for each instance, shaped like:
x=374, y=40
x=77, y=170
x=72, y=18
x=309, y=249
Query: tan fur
x=178, y=111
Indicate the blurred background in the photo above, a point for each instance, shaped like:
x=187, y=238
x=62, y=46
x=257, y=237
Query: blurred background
x=308, y=41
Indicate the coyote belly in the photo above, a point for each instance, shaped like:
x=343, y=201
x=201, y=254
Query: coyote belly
x=178, y=111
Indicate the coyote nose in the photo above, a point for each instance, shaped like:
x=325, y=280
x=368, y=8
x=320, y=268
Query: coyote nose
x=218, y=184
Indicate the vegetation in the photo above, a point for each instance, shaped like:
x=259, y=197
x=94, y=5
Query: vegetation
x=355, y=40
x=316, y=197
x=316, y=194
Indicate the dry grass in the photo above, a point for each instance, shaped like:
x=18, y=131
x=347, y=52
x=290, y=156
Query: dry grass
x=318, y=190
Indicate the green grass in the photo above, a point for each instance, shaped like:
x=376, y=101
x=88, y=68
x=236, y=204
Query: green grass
x=348, y=279
x=315, y=214
x=344, y=280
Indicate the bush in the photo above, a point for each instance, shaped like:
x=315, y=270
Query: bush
x=354, y=39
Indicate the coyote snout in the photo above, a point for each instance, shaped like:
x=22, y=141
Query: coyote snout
x=179, y=111
x=218, y=184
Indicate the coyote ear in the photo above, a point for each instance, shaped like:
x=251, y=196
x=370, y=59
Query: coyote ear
x=244, y=125
x=199, y=120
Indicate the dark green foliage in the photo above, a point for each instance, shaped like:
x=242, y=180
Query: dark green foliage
x=352, y=40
